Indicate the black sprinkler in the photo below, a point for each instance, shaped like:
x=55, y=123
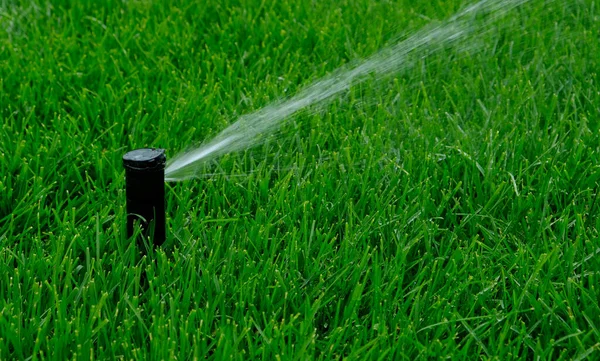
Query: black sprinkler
x=145, y=192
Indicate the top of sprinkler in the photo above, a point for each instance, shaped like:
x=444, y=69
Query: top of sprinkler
x=145, y=159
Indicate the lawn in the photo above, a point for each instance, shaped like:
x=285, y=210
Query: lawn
x=447, y=211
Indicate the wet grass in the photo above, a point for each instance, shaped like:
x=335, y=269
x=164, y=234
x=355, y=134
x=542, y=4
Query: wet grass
x=450, y=212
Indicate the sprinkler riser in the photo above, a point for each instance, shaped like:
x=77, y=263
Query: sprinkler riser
x=145, y=193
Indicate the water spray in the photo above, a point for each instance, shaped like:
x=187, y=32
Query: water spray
x=255, y=128
x=145, y=192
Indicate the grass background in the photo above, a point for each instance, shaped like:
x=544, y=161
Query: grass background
x=452, y=214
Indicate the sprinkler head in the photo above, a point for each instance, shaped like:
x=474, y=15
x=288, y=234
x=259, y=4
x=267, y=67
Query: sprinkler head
x=145, y=192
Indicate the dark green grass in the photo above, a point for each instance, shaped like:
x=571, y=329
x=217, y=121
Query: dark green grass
x=448, y=212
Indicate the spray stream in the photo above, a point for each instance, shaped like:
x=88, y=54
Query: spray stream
x=255, y=128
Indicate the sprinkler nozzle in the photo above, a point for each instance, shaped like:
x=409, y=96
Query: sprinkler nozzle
x=145, y=192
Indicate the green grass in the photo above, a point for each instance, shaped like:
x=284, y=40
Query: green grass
x=450, y=212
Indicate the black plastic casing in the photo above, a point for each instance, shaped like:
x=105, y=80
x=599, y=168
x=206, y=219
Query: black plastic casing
x=145, y=192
